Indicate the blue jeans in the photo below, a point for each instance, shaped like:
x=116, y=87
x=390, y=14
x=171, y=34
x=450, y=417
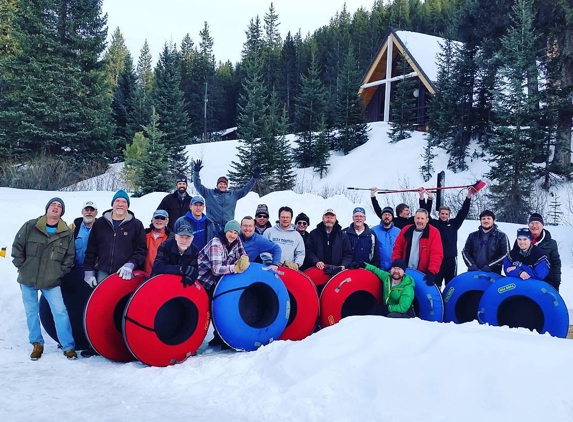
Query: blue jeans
x=59, y=311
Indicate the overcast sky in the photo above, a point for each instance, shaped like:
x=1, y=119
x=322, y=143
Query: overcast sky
x=169, y=20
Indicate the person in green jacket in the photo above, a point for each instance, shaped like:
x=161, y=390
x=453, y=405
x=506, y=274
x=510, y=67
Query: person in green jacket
x=43, y=252
x=398, y=293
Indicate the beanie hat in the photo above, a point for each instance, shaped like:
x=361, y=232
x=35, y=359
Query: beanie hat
x=389, y=210
x=524, y=232
x=181, y=178
x=302, y=217
x=223, y=179
x=232, y=225
x=487, y=213
x=262, y=209
x=536, y=217
x=400, y=263
x=120, y=194
x=56, y=199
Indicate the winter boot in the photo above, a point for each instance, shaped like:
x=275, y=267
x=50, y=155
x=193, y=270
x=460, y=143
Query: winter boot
x=216, y=341
x=70, y=354
x=37, y=352
x=88, y=353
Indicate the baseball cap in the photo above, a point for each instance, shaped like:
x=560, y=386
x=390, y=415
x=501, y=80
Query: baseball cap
x=90, y=204
x=185, y=230
x=329, y=211
x=359, y=209
x=196, y=199
x=160, y=213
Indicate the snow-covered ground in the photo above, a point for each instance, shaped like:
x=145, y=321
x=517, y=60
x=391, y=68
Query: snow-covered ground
x=362, y=369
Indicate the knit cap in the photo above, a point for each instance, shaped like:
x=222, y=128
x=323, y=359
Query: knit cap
x=56, y=199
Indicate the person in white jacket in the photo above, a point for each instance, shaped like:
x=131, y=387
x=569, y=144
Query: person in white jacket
x=290, y=241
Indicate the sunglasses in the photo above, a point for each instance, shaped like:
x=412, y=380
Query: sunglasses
x=301, y=223
x=160, y=218
x=262, y=216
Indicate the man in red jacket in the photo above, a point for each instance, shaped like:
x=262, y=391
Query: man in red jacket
x=420, y=245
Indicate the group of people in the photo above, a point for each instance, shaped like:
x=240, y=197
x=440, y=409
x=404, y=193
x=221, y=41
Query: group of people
x=196, y=236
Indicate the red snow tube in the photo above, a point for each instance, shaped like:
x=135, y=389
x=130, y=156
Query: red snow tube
x=304, y=304
x=164, y=323
x=318, y=277
x=104, y=313
x=350, y=292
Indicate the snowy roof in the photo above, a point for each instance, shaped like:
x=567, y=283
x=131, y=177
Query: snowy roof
x=424, y=49
x=229, y=130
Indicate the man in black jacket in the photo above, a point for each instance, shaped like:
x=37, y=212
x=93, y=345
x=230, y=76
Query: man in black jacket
x=177, y=203
x=116, y=243
x=542, y=238
x=403, y=217
x=448, y=228
x=328, y=246
x=486, y=248
x=178, y=256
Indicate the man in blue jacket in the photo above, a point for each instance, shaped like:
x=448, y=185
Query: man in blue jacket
x=203, y=228
x=255, y=244
x=221, y=201
x=386, y=234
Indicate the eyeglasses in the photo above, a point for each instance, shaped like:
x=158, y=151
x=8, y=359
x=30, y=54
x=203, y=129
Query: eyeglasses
x=262, y=216
x=301, y=223
x=160, y=218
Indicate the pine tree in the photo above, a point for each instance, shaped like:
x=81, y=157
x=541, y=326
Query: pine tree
x=428, y=156
x=123, y=105
x=251, y=125
x=271, y=48
x=322, y=150
x=144, y=87
x=173, y=119
x=310, y=110
x=352, y=130
x=512, y=146
x=403, y=105
x=283, y=176
x=114, y=57
x=8, y=42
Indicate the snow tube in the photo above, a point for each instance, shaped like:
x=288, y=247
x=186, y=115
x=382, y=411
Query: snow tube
x=350, y=292
x=163, y=322
x=463, y=294
x=428, y=302
x=318, y=277
x=104, y=313
x=250, y=309
x=75, y=292
x=532, y=304
x=304, y=304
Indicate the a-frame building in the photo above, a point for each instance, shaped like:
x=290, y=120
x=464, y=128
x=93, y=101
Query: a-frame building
x=376, y=90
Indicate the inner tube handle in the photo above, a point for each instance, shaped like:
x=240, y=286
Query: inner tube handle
x=346, y=280
x=480, y=311
x=555, y=301
x=431, y=300
x=485, y=275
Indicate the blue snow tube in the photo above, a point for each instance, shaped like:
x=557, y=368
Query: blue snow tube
x=428, y=302
x=250, y=309
x=463, y=294
x=531, y=304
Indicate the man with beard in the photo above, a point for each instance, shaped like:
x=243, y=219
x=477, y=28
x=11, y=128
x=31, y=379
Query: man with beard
x=177, y=203
x=386, y=233
x=420, y=245
x=398, y=290
x=362, y=239
x=486, y=248
x=328, y=247
x=82, y=227
x=155, y=235
x=542, y=239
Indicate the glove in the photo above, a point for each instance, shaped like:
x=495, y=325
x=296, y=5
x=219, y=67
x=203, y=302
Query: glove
x=430, y=279
x=126, y=272
x=473, y=267
x=383, y=310
x=89, y=277
x=486, y=268
x=189, y=275
x=257, y=173
x=198, y=166
x=332, y=270
x=356, y=265
x=241, y=265
x=290, y=265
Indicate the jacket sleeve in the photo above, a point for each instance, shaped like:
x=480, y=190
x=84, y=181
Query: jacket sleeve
x=161, y=264
x=214, y=252
x=376, y=207
x=399, y=246
x=541, y=268
x=347, y=253
x=503, y=248
x=299, y=252
x=19, y=246
x=436, y=253
x=139, y=245
x=467, y=252
x=163, y=204
x=271, y=247
x=508, y=263
x=92, y=250
x=375, y=259
x=239, y=193
x=555, y=261
x=462, y=215
x=426, y=204
x=198, y=186
x=68, y=261
x=381, y=274
x=310, y=252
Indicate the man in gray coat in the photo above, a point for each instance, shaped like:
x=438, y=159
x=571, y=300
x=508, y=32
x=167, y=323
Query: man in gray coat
x=221, y=201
